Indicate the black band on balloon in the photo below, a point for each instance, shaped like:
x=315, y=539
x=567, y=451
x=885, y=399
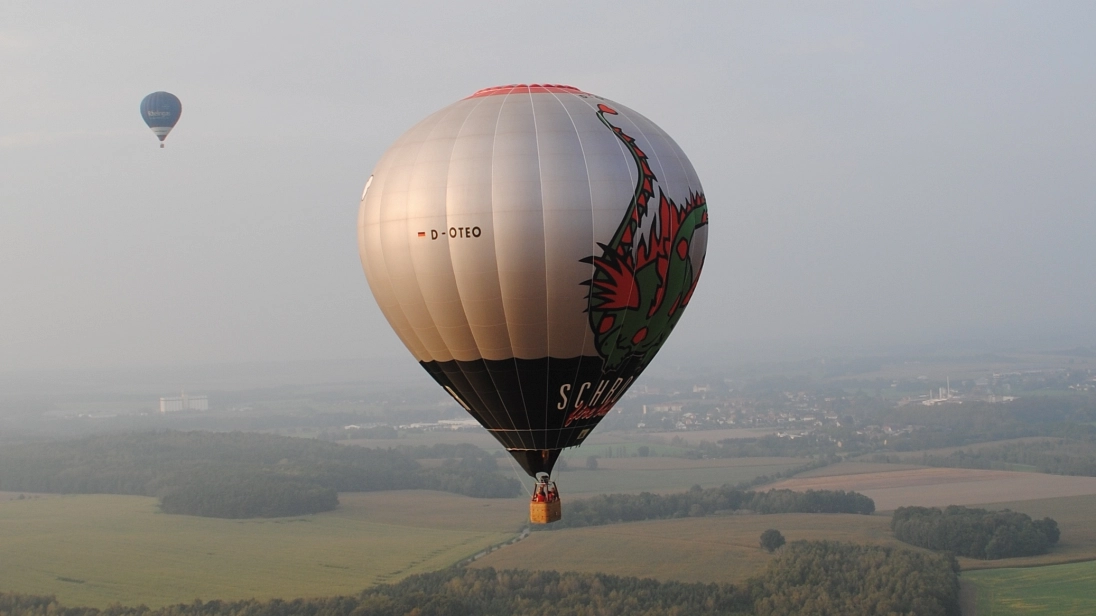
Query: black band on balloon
x=535, y=404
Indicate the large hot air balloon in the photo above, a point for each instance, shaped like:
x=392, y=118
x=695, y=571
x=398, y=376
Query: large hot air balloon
x=161, y=110
x=534, y=246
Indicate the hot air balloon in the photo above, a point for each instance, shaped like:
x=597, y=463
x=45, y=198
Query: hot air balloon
x=533, y=246
x=161, y=110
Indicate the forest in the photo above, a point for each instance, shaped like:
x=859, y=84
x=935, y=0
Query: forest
x=697, y=502
x=241, y=475
x=974, y=533
x=821, y=578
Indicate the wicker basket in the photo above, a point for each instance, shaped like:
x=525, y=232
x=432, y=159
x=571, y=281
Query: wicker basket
x=545, y=513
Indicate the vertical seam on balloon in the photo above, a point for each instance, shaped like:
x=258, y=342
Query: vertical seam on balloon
x=652, y=153
x=628, y=163
x=494, y=139
x=590, y=193
x=649, y=218
x=388, y=273
x=411, y=262
x=482, y=360
x=384, y=266
x=547, y=299
x=435, y=131
x=629, y=160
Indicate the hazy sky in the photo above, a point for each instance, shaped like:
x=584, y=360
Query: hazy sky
x=874, y=171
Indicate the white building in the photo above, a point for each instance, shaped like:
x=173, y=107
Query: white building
x=184, y=402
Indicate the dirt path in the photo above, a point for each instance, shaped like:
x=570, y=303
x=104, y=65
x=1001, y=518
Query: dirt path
x=968, y=598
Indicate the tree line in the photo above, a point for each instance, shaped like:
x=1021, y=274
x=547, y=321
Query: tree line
x=1056, y=457
x=769, y=446
x=974, y=533
x=821, y=578
x=241, y=475
x=697, y=502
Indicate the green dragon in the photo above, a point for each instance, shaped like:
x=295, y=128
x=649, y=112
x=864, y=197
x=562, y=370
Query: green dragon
x=639, y=290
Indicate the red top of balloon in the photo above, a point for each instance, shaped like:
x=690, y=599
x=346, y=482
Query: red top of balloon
x=521, y=88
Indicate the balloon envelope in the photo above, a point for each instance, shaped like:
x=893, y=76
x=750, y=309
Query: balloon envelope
x=161, y=110
x=533, y=246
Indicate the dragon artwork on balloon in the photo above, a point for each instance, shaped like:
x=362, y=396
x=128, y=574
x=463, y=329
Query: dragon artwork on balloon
x=642, y=281
x=479, y=228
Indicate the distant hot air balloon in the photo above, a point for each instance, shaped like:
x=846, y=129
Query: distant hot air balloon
x=161, y=110
x=533, y=246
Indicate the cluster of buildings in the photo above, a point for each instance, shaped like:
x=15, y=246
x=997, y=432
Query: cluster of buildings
x=183, y=402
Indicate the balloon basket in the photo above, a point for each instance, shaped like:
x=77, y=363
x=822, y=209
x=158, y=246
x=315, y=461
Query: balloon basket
x=545, y=513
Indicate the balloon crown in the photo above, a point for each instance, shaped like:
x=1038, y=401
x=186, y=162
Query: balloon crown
x=522, y=88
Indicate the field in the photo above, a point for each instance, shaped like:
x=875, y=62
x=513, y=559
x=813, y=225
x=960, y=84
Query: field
x=1071, y=501
x=95, y=550
x=725, y=549
x=939, y=487
x=711, y=436
x=666, y=474
x=1060, y=590
x=916, y=456
x=721, y=549
x=1075, y=516
x=98, y=549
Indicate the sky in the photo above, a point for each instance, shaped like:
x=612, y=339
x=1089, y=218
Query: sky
x=880, y=173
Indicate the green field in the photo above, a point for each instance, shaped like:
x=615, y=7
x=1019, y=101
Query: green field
x=95, y=550
x=98, y=549
x=1059, y=590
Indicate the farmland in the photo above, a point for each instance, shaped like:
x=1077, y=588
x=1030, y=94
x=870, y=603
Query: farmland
x=939, y=487
x=725, y=549
x=98, y=549
x=720, y=549
x=95, y=550
x=1074, y=515
x=59, y=544
x=668, y=474
x=1060, y=590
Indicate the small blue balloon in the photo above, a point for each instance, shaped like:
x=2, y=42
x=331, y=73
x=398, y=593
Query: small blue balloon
x=161, y=110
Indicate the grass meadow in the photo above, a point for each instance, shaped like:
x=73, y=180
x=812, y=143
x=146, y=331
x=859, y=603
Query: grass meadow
x=726, y=548
x=98, y=549
x=1071, y=501
x=719, y=549
x=1059, y=590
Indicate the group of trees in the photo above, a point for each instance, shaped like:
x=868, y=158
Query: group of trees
x=772, y=540
x=975, y=533
x=697, y=502
x=819, y=578
x=826, y=578
x=241, y=475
